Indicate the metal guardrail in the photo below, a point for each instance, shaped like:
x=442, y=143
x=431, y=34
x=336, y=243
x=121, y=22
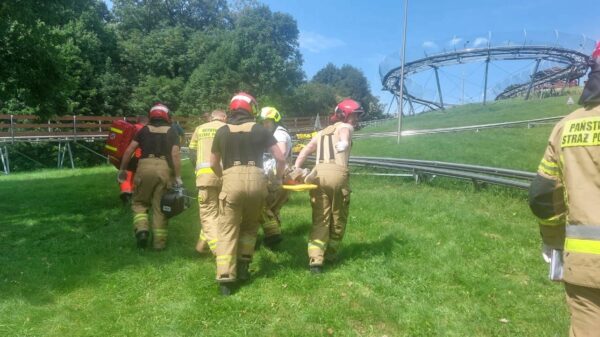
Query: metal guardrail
x=475, y=173
x=529, y=123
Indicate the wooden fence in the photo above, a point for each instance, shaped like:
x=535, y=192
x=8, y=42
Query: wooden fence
x=30, y=128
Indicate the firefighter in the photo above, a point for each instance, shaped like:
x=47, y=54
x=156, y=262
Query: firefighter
x=331, y=200
x=271, y=222
x=209, y=185
x=565, y=195
x=239, y=146
x=158, y=168
x=127, y=186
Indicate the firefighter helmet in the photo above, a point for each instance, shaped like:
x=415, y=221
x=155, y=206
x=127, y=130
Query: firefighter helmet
x=596, y=53
x=160, y=111
x=174, y=201
x=244, y=102
x=346, y=108
x=270, y=113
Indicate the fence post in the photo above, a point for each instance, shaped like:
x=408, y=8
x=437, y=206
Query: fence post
x=74, y=126
x=12, y=129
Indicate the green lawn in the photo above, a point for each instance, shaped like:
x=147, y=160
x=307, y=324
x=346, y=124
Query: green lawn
x=473, y=114
x=434, y=259
x=516, y=148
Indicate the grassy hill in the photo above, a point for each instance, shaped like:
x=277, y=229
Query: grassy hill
x=434, y=259
x=517, y=148
x=493, y=112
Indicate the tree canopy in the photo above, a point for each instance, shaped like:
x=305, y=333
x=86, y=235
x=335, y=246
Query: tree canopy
x=77, y=57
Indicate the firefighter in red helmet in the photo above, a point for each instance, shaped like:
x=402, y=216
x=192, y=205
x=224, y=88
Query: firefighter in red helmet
x=237, y=152
x=331, y=200
x=565, y=195
x=158, y=169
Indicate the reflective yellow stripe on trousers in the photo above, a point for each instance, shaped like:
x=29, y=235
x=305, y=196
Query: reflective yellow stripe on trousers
x=224, y=260
x=583, y=239
x=140, y=217
x=316, y=244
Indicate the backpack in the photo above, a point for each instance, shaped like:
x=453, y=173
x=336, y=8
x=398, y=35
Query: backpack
x=120, y=135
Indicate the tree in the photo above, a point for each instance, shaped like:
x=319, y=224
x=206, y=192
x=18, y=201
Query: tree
x=349, y=81
x=146, y=16
x=53, y=52
x=313, y=98
x=260, y=55
x=153, y=89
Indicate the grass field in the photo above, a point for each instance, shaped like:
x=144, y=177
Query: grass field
x=493, y=112
x=517, y=148
x=434, y=259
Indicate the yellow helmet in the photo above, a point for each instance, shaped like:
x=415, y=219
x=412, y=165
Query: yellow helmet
x=270, y=113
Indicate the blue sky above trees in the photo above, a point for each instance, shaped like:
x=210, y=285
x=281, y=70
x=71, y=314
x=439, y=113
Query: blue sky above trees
x=362, y=33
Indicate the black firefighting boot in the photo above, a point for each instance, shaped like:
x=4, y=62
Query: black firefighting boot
x=142, y=238
x=243, y=274
x=226, y=288
x=315, y=266
x=126, y=198
x=272, y=242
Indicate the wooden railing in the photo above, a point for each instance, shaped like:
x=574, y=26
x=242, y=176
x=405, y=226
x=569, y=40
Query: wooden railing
x=31, y=128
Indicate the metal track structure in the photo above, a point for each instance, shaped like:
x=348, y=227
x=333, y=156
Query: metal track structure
x=570, y=55
x=423, y=169
x=529, y=123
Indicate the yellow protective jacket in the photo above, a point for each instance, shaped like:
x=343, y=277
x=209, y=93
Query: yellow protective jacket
x=566, y=195
x=201, y=142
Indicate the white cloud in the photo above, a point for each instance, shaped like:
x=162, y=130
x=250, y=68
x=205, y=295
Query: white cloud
x=480, y=41
x=429, y=45
x=315, y=42
x=455, y=40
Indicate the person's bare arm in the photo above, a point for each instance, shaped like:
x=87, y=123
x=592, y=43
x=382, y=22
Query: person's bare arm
x=307, y=150
x=215, y=164
x=344, y=140
x=279, y=158
x=282, y=147
x=125, y=160
x=176, y=157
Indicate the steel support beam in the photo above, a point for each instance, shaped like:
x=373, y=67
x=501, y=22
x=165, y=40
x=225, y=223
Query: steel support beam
x=537, y=65
x=62, y=152
x=567, y=81
x=439, y=87
x=410, y=103
x=485, y=81
x=5, y=162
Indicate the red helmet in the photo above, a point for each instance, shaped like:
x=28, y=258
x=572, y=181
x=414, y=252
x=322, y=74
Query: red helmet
x=160, y=111
x=594, y=61
x=346, y=108
x=245, y=102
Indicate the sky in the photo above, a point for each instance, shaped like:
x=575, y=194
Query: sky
x=362, y=33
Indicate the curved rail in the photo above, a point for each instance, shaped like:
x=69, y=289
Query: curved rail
x=570, y=56
x=528, y=122
x=479, y=175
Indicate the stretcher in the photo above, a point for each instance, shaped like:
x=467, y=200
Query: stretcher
x=299, y=187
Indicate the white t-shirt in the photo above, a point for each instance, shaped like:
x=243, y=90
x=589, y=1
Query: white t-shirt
x=282, y=136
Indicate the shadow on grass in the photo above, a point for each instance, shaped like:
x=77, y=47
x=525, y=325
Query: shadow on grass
x=292, y=253
x=64, y=233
